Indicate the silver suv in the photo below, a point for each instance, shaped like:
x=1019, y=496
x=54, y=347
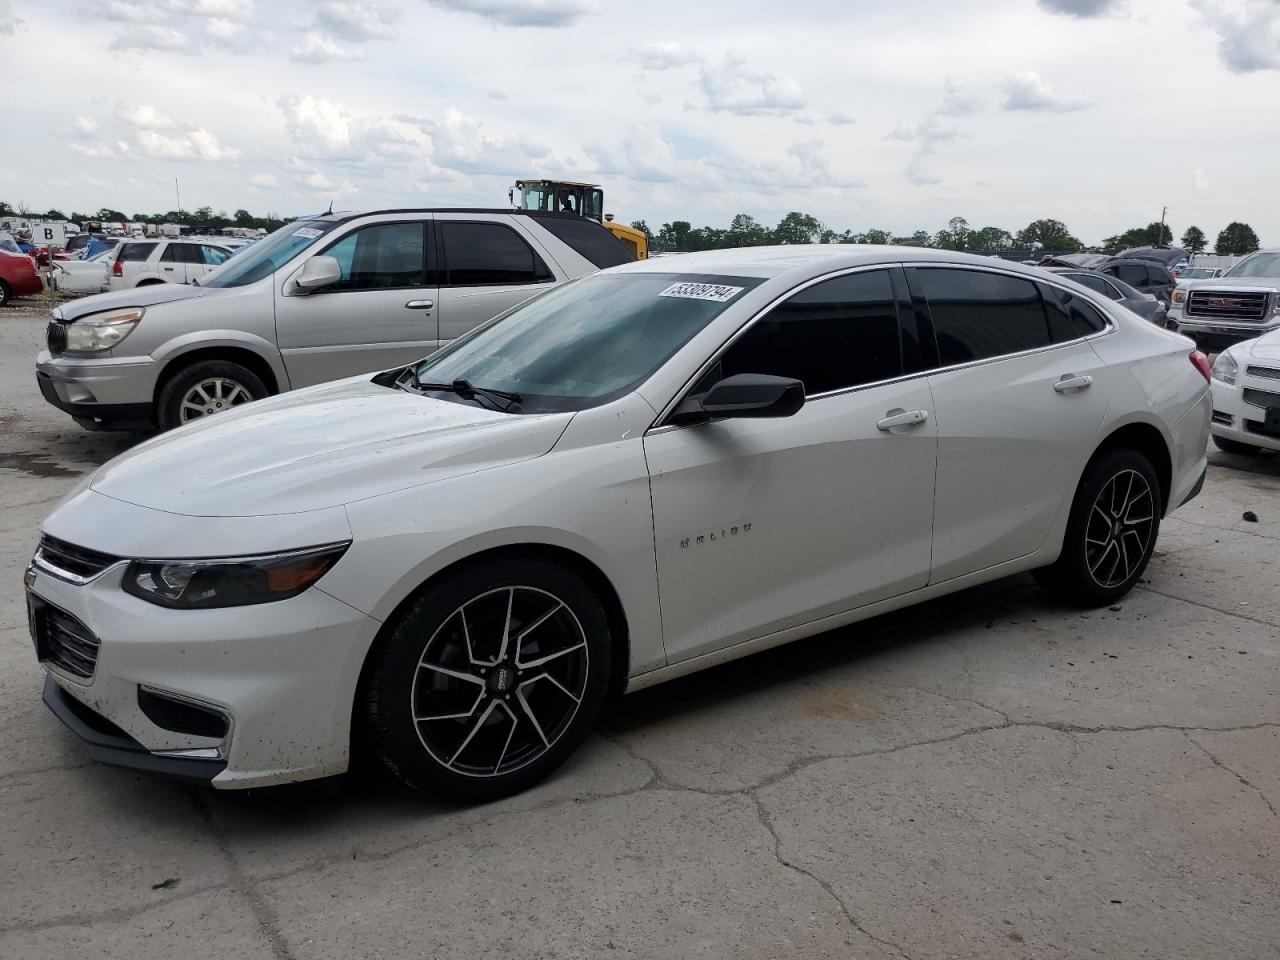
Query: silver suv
x=321, y=298
x=1241, y=304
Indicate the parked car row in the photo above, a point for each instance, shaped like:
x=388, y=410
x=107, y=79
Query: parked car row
x=463, y=555
x=1241, y=304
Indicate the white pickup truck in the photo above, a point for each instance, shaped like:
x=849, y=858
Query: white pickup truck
x=1242, y=304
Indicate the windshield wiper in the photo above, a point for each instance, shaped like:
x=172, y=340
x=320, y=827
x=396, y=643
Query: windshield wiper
x=504, y=401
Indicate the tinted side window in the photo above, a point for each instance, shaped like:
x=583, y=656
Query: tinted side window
x=1160, y=277
x=478, y=254
x=381, y=257
x=836, y=334
x=978, y=315
x=1094, y=283
x=1134, y=274
x=135, y=252
x=589, y=239
x=1114, y=292
x=1070, y=317
x=172, y=254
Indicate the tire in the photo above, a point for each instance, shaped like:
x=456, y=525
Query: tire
x=495, y=723
x=235, y=384
x=5, y=293
x=1236, y=447
x=1105, y=552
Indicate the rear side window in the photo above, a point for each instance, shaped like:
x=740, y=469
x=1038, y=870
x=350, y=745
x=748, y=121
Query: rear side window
x=135, y=252
x=1070, y=317
x=978, y=315
x=836, y=334
x=485, y=254
x=1160, y=276
x=1094, y=283
x=212, y=256
x=1134, y=274
x=588, y=239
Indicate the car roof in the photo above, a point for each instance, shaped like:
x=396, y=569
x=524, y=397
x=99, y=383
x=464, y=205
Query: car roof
x=345, y=215
x=819, y=258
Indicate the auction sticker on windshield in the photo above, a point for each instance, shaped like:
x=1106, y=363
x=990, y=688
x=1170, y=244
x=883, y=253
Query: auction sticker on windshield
x=715, y=292
x=307, y=233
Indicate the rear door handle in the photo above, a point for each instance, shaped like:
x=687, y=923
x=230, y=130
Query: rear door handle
x=419, y=305
x=1069, y=383
x=905, y=418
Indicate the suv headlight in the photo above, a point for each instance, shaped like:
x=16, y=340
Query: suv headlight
x=230, y=581
x=102, y=331
x=1225, y=368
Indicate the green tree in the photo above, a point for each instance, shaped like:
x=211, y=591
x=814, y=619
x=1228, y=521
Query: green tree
x=674, y=237
x=638, y=225
x=106, y=213
x=876, y=237
x=920, y=238
x=1236, y=239
x=955, y=236
x=1154, y=234
x=1048, y=235
x=990, y=239
x=54, y=214
x=243, y=218
x=744, y=231
x=797, y=227
x=6, y=210
x=1193, y=239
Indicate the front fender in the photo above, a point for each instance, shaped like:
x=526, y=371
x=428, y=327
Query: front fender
x=261, y=347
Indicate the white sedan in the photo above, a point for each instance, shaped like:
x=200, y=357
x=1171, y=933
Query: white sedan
x=637, y=475
x=83, y=276
x=1246, y=396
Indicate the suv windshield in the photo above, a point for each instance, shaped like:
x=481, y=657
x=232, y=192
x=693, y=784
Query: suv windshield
x=585, y=343
x=268, y=254
x=1256, y=265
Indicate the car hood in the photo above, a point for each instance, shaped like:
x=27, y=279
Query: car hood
x=147, y=296
x=1236, y=284
x=320, y=447
x=1265, y=347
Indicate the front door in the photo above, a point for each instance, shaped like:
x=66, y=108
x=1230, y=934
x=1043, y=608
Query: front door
x=381, y=314
x=486, y=266
x=761, y=525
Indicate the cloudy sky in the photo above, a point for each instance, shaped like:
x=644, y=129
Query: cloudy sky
x=863, y=113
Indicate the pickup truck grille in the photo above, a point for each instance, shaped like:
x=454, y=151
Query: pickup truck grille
x=1242, y=307
x=55, y=336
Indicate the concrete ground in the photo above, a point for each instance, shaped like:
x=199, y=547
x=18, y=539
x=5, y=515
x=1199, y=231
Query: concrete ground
x=990, y=775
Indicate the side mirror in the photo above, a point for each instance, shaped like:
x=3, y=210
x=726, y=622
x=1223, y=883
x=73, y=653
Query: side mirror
x=317, y=273
x=744, y=395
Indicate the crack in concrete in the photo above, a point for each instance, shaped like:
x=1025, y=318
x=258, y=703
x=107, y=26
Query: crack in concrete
x=1218, y=763
x=113, y=915
x=762, y=814
x=1214, y=526
x=267, y=920
x=1206, y=606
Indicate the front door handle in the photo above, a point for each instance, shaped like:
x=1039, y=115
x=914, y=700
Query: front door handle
x=903, y=418
x=1069, y=383
x=419, y=305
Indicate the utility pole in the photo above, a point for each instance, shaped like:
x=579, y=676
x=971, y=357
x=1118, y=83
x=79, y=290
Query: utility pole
x=177, y=194
x=1160, y=240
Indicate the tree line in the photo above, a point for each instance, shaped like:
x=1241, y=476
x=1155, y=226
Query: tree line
x=200, y=217
x=1039, y=236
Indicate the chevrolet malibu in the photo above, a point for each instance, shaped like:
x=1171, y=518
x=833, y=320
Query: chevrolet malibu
x=640, y=474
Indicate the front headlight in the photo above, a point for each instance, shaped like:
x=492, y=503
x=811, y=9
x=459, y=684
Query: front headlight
x=1225, y=368
x=102, y=331
x=1179, y=294
x=230, y=581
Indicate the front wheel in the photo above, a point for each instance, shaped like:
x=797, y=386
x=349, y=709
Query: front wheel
x=1111, y=532
x=1235, y=446
x=205, y=388
x=5, y=293
x=487, y=682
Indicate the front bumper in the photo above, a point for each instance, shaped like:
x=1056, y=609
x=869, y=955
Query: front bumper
x=1212, y=336
x=105, y=390
x=283, y=674
x=1235, y=419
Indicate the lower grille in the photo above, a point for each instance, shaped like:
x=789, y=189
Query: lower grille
x=1245, y=307
x=1264, y=373
x=180, y=716
x=55, y=336
x=79, y=562
x=63, y=641
x=1261, y=398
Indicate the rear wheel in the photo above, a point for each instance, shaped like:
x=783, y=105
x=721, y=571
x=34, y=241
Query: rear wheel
x=1111, y=532
x=5, y=293
x=490, y=680
x=206, y=388
x=1235, y=446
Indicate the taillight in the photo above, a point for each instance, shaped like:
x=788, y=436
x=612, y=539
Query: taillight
x=116, y=269
x=1201, y=363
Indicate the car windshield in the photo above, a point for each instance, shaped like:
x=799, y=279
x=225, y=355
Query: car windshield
x=9, y=245
x=585, y=343
x=1256, y=265
x=1196, y=273
x=268, y=255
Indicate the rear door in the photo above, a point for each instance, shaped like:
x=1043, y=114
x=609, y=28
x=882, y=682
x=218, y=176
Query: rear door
x=381, y=314
x=486, y=266
x=1019, y=395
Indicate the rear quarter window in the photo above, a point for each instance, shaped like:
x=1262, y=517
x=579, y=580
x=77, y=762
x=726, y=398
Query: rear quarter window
x=135, y=252
x=588, y=239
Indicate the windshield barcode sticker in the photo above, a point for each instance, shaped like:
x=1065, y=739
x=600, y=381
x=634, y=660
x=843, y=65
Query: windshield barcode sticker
x=715, y=292
x=307, y=233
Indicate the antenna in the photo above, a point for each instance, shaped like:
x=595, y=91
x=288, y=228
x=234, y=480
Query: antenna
x=330, y=210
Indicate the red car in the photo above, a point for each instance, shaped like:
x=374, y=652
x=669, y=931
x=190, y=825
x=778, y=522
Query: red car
x=18, y=276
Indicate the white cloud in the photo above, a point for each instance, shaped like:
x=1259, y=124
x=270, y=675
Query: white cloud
x=459, y=143
x=95, y=150
x=1248, y=33
x=264, y=181
x=86, y=126
x=957, y=99
x=222, y=28
x=1200, y=181
x=522, y=13
x=150, y=37
x=1029, y=91
x=317, y=47
x=359, y=20
x=840, y=119
x=197, y=144
x=1081, y=8
x=176, y=26
x=663, y=56
x=144, y=117
x=319, y=127
x=10, y=22
x=731, y=86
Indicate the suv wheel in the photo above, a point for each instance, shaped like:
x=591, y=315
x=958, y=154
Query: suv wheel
x=1235, y=446
x=1111, y=532
x=206, y=388
x=486, y=683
